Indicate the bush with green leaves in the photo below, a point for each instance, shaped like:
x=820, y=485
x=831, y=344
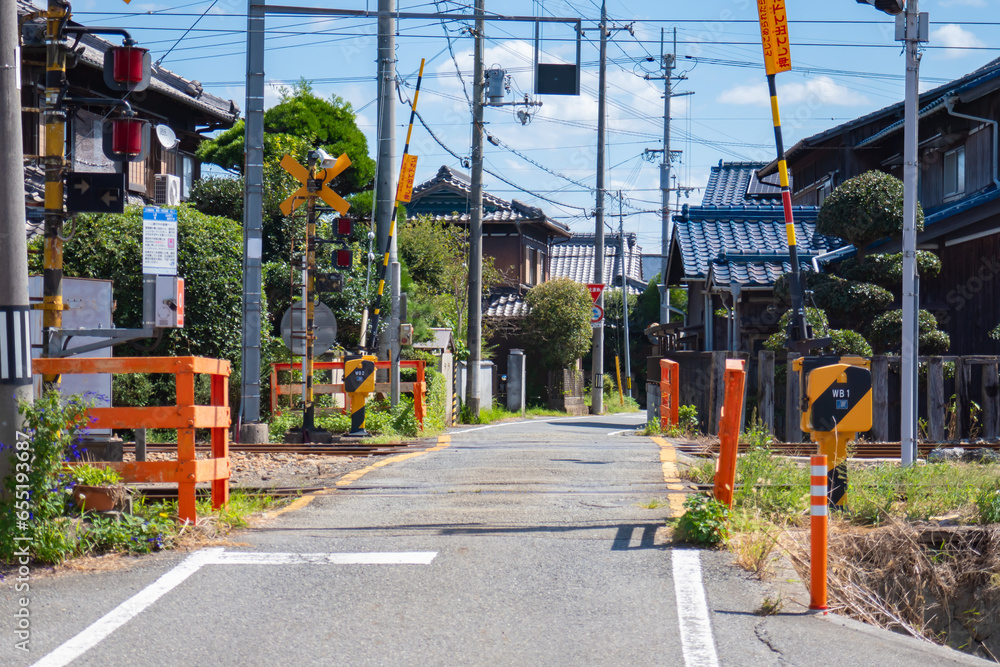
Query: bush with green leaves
x=559, y=321
x=704, y=521
x=988, y=505
x=865, y=209
x=886, y=333
x=90, y=475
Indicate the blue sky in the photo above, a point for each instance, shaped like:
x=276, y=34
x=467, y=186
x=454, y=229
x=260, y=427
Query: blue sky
x=845, y=64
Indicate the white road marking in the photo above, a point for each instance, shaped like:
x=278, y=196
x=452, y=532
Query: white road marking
x=126, y=611
x=697, y=642
x=400, y=558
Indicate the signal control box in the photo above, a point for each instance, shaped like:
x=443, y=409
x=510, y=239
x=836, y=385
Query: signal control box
x=836, y=393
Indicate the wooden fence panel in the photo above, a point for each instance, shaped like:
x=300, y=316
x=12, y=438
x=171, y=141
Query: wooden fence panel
x=880, y=398
x=765, y=388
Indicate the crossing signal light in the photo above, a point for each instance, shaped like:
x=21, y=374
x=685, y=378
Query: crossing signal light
x=343, y=258
x=887, y=6
x=343, y=228
x=126, y=139
x=127, y=68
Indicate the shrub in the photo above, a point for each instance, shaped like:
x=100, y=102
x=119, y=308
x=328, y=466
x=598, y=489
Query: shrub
x=559, y=321
x=704, y=522
x=864, y=209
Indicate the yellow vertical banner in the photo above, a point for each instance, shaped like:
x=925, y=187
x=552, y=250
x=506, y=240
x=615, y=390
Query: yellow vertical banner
x=407, y=172
x=774, y=35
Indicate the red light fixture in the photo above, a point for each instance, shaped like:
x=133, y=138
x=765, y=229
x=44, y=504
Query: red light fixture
x=343, y=258
x=344, y=227
x=126, y=136
x=128, y=64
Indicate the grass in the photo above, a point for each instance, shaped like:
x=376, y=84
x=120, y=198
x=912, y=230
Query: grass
x=652, y=504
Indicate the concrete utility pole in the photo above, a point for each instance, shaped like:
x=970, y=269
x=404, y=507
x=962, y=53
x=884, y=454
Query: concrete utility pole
x=385, y=193
x=14, y=307
x=910, y=339
x=252, y=430
x=624, y=265
x=474, y=338
x=597, y=383
x=667, y=60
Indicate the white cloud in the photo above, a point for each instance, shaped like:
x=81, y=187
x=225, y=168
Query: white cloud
x=953, y=37
x=820, y=90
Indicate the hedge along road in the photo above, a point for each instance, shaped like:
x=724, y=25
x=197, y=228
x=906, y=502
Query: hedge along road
x=521, y=543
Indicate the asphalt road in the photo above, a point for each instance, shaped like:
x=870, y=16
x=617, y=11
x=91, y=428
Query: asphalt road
x=534, y=543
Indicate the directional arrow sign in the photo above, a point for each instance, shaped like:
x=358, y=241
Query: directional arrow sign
x=96, y=192
x=324, y=176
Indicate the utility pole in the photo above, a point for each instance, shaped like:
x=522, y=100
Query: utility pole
x=14, y=306
x=624, y=265
x=597, y=383
x=252, y=430
x=54, y=119
x=910, y=333
x=385, y=193
x=475, y=333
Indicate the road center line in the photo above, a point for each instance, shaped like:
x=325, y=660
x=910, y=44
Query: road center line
x=126, y=611
x=697, y=642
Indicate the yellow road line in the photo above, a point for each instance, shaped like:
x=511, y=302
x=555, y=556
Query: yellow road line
x=350, y=478
x=668, y=459
x=297, y=504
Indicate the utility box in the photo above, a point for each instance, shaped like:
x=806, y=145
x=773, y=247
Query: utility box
x=406, y=334
x=168, y=302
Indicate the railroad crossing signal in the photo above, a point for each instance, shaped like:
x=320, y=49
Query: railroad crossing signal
x=836, y=405
x=314, y=187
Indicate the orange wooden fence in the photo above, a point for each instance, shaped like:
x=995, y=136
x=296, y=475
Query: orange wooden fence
x=418, y=388
x=185, y=416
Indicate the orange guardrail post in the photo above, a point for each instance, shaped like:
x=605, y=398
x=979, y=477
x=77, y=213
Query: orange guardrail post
x=669, y=392
x=729, y=431
x=185, y=416
x=818, y=527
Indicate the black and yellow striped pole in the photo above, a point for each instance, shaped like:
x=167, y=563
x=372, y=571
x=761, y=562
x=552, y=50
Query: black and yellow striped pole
x=777, y=58
x=403, y=191
x=54, y=119
x=359, y=381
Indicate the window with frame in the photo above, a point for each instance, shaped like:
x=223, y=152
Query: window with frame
x=954, y=173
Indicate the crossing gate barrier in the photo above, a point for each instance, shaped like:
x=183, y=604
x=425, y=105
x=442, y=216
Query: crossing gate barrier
x=185, y=416
x=418, y=388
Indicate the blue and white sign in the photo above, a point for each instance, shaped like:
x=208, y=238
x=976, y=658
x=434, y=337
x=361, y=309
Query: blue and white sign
x=159, y=241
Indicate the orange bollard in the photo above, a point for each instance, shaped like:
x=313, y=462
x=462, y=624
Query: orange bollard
x=669, y=392
x=729, y=432
x=818, y=527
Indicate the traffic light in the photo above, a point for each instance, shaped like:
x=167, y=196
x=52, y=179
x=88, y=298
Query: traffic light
x=127, y=67
x=887, y=6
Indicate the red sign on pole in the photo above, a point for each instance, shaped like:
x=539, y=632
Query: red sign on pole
x=595, y=291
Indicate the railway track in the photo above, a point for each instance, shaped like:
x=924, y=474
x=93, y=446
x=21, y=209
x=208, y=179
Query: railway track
x=861, y=450
x=331, y=449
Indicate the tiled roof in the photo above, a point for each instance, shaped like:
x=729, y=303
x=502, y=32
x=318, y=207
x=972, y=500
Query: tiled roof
x=573, y=258
x=736, y=184
x=893, y=112
x=446, y=197
x=505, y=302
x=746, y=244
x=162, y=81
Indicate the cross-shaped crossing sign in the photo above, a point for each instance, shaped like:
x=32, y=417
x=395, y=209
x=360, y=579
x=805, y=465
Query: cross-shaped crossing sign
x=336, y=202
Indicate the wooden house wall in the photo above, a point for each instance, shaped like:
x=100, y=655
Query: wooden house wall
x=965, y=296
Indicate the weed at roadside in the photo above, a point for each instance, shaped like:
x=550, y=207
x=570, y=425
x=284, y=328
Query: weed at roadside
x=704, y=522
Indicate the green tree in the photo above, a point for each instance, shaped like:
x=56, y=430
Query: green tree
x=559, y=321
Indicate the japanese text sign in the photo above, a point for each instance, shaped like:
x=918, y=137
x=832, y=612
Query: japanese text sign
x=774, y=35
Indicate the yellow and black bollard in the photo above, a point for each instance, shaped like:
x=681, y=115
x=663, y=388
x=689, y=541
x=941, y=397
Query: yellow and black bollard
x=359, y=381
x=836, y=406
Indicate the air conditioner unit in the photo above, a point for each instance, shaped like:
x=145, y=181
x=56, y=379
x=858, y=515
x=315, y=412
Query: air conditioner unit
x=167, y=190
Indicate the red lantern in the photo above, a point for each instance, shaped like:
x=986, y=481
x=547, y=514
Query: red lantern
x=126, y=136
x=128, y=64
